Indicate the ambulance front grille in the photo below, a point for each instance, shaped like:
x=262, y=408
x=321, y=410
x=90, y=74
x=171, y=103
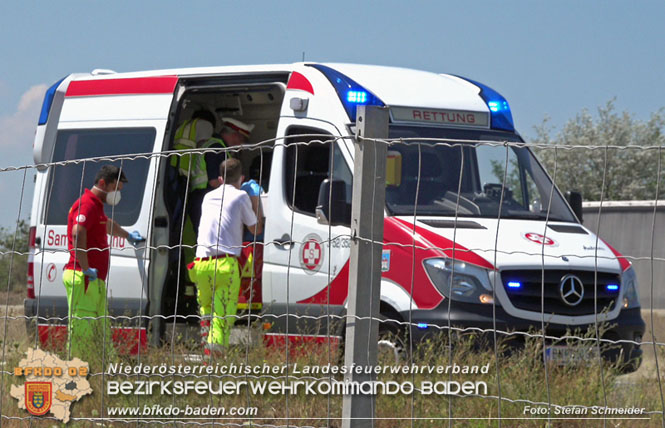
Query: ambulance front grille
x=528, y=295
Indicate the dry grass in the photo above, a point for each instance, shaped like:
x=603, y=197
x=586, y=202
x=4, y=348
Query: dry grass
x=522, y=375
x=13, y=298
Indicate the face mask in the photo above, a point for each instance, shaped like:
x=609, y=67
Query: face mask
x=113, y=197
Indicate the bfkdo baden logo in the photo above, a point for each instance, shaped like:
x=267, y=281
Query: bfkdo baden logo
x=51, y=384
x=38, y=397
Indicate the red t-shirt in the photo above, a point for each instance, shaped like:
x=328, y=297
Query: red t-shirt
x=88, y=211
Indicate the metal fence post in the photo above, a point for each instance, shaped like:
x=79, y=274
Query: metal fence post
x=369, y=194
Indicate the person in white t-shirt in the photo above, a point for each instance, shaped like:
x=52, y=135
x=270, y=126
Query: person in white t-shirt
x=215, y=271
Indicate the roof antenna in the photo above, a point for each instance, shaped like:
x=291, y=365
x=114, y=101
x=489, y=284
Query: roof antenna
x=303, y=56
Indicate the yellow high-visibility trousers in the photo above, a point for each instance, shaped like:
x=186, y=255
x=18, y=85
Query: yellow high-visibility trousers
x=87, y=335
x=218, y=284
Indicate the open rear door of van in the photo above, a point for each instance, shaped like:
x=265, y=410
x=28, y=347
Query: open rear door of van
x=94, y=121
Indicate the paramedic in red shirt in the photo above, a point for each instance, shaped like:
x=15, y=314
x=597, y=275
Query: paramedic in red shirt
x=85, y=273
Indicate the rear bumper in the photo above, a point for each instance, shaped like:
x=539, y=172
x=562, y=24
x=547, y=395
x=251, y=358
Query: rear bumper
x=628, y=326
x=48, y=321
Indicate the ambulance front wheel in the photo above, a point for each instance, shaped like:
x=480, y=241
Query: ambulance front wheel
x=393, y=344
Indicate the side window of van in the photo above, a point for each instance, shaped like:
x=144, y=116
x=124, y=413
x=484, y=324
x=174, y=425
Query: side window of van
x=308, y=163
x=68, y=181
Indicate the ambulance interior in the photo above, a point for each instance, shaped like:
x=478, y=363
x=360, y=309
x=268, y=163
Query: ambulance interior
x=254, y=104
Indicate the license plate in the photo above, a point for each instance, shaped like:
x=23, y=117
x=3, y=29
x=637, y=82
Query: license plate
x=570, y=355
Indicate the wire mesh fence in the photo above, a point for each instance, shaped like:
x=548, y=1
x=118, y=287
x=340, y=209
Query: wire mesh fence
x=497, y=306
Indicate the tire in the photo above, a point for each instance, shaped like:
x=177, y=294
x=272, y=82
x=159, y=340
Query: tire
x=393, y=341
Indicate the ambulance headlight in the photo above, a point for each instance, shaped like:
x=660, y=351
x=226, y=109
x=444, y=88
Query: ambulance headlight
x=629, y=284
x=459, y=281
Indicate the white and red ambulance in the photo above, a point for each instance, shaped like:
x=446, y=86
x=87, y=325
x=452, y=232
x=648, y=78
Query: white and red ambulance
x=544, y=266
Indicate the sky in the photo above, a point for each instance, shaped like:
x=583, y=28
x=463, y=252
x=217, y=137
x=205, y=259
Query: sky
x=549, y=59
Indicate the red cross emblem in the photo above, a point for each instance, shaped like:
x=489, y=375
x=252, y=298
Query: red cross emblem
x=539, y=239
x=311, y=254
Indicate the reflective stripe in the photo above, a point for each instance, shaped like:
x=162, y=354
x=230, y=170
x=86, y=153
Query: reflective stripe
x=192, y=164
x=187, y=127
x=185, y=139
x=199, y=177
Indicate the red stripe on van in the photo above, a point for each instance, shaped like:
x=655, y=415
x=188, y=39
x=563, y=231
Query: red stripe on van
x=127, y=340
x=338, y=288
x=137, y=85
x=301, y=345
x=404, y=270
x=298, y=81
x=279, y=339
x=446, y=245
x=406, y=263
x=623, y=261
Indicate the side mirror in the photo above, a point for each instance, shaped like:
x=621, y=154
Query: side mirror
x=333, y=209
x=575, y=201
x=393, y=168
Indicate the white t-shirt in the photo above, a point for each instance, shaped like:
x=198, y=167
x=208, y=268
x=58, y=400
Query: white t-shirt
x=222, y=233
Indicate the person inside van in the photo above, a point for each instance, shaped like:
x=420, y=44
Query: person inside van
x=215, y=271
x=89, y=260
x=201, y=170
x=204, y=168
x=194, y=133
x=234, y=133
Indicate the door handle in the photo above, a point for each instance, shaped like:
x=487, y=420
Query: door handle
x=284, y=243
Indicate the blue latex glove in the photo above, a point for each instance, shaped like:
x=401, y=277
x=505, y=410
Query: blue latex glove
x=251, y=187
x=135, y=238
x=91, y=273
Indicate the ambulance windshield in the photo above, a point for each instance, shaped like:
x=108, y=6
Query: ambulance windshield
x=492, y=177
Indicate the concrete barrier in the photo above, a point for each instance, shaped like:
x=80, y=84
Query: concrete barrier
x=629, y=227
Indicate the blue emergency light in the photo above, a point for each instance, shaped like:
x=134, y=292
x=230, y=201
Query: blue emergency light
x=422, y=326
x=500, y=116
x=350, y=93
x=358, y=97
x=497, y=106
x=514, y=284
x=48, y=101
x=612, y=287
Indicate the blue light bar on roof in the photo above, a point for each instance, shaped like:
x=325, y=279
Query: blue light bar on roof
x=350, y=93
x=501, y=117
x=358, y=97
x=48, y=101
x=497, y=106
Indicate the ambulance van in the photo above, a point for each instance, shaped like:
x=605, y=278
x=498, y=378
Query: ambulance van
x=511, y=230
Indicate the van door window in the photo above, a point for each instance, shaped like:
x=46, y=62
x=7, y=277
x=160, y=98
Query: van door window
x=65, y=183
x=308, y=163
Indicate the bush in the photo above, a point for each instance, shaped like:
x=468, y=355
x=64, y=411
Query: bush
x=628, y=170
x=14, y=256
